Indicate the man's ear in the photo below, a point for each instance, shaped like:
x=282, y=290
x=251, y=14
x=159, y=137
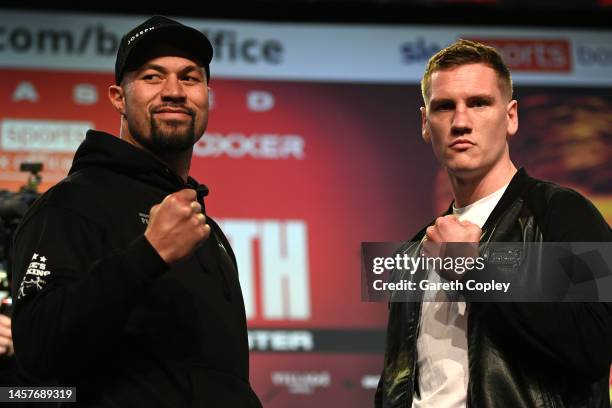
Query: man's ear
x=512, y=112
x=116, y=95
x=424, y=129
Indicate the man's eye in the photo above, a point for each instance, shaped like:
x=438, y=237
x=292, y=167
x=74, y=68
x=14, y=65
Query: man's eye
x=150, y=77
x=190, y=78
x=443, y=107
x=478, y=103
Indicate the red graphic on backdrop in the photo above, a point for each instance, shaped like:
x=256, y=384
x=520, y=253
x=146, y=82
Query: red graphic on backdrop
x=533, y=55
x=300, y=174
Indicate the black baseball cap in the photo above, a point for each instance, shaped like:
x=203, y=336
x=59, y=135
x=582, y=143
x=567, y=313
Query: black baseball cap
x=159, y=29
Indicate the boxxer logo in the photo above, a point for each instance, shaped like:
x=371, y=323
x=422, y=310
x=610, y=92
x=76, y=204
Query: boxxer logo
x=258, y=146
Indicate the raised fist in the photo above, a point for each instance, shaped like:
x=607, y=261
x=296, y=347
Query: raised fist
x=177, y=226
x=450, y=238
x=450, y=229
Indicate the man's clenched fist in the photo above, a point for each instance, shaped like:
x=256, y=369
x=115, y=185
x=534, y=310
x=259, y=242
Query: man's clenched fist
x=177, y=226
x=450, y=229
x=451, y=238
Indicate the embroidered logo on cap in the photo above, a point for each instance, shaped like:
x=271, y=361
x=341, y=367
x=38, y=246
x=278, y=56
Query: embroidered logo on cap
x=138, y=34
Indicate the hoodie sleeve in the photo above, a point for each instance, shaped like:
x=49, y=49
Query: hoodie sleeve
x=71, y=294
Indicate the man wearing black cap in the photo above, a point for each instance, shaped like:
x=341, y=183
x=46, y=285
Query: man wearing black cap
x=124, y=288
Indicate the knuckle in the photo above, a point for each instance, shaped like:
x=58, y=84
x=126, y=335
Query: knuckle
x=185, y=211
x=188, y=193
x=206, y=230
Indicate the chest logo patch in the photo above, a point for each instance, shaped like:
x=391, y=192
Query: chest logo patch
x=34, y=279
x=144, y=218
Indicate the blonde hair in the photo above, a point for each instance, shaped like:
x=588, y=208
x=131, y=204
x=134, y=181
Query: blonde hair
x=464, y=52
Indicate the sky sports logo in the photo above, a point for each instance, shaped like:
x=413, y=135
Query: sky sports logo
x=521, y=55
x=532, y=55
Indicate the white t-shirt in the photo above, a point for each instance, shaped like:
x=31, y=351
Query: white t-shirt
x=442, y=351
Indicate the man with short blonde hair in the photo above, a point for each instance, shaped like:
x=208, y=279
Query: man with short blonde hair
x=449, y=350
x=465, y=52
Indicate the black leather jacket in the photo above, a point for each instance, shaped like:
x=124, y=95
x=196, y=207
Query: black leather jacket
x=520, y=354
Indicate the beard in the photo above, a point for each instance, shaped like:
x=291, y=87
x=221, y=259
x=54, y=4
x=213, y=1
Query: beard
x=167, y=137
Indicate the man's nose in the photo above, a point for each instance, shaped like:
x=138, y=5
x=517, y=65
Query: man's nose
x=461, y=123
x=172, y=89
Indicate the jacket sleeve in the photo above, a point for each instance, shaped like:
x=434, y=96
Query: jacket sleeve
x=575, y=335
x=71, y=294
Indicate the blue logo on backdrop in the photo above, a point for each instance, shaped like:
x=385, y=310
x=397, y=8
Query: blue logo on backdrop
x=418, y=50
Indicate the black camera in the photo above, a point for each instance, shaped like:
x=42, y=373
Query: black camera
x=13, y=206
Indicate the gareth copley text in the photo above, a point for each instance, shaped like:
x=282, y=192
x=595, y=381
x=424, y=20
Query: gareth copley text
x=424, y=285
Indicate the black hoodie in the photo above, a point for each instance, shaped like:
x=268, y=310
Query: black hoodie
x=97, y=308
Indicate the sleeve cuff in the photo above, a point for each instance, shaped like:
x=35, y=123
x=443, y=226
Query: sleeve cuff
x=141, y=256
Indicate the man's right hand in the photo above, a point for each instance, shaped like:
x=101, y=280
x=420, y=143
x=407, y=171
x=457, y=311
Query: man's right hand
x=177, y=226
